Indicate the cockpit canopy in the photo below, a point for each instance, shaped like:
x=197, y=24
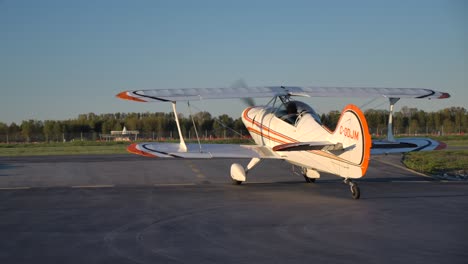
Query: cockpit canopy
x=292, y=111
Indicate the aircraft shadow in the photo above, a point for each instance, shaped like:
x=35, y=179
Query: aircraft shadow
x=7, y=167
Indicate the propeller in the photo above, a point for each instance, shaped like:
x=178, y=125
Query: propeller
x=249, y=101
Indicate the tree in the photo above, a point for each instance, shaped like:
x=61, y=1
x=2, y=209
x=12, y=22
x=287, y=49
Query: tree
x=332, y=119
x=27, y=129
x=4, y=131
x=14, y=131
x=221, y=125
x=57, y=130
x=48, y=129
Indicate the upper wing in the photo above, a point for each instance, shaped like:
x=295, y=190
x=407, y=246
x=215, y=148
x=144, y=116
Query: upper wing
x=365, y=92
x=191, y=94
x=207, y=151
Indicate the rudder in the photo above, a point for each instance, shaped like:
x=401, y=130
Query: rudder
x=353, y=133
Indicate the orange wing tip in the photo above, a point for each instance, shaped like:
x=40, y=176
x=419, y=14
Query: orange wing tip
x=441, y=146
x=125, y=96
x=133, y=149
x=444, y=95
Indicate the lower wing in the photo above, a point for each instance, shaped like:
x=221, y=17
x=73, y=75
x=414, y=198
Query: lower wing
x=205, y=151
x=402, y=145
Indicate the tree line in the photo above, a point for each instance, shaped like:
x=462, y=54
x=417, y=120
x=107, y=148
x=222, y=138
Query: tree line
x=158, y=126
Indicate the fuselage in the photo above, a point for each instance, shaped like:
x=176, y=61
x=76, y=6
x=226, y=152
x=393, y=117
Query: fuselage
x=269, y=127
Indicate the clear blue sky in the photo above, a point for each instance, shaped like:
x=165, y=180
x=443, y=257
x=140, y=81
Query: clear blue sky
x=62, y=58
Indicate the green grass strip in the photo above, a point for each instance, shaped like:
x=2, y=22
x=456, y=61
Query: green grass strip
x=437, y=162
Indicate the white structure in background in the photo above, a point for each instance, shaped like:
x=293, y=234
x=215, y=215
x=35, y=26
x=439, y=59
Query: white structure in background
x=124, y=135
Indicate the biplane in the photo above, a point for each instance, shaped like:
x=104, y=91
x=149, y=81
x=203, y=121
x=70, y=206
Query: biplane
x=291, y=130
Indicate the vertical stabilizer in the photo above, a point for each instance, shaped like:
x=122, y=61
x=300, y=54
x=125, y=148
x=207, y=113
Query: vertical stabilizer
x=353, y=133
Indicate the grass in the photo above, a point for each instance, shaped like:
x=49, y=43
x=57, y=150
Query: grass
x=438, y=162
x=68, y=148
x=434, y=162
x=453, y=140
x=452, y=162
x=85, y=147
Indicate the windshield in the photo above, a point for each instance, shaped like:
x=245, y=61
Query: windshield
x=292, y=110
x=305, y=108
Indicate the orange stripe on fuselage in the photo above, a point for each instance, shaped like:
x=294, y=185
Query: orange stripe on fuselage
x=262, y=127
x=251, y=129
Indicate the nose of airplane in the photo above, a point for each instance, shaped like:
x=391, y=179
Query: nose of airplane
x=249, y=114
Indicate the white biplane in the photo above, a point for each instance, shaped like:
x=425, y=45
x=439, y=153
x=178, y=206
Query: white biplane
x=291, y=130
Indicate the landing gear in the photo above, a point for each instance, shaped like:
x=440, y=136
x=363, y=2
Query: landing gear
x=309, y=180
x=309, y=175
x=355, y=192
x=238, y=173
x=236, y=182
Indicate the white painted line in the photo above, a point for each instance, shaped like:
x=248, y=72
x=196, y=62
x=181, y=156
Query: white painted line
x=174, y=184
x=454, y=181
x=15, y=188
x=93, y=186
x=412, y=181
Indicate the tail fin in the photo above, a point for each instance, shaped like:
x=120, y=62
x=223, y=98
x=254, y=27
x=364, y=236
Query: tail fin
x=352, y=132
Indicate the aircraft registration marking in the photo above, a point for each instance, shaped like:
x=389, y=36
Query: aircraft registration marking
x=347, y=132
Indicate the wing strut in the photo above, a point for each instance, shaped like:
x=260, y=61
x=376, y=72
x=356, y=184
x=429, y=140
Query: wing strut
x=194, y=126
x=183, y=146
x=390, y=136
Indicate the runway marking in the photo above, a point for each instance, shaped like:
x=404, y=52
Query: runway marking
x=174, y=184
x=412, y=181
x=258, y=182
x=454, y=181
x=195, y=170
x=15, y=188
x=94, y=186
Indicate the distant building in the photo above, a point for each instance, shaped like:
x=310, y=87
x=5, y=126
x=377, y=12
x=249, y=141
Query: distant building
x=124, y=135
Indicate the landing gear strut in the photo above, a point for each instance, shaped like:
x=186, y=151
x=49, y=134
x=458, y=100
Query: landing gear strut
x=355, y=192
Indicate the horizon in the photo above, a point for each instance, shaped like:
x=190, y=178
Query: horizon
x=61, y=59
x=187, y=113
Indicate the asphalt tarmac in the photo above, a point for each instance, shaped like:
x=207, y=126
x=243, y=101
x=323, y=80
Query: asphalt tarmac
x=130, y=209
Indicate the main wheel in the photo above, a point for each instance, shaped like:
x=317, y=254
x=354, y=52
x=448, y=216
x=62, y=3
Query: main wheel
x=309, y=180
x=355, y=192
x=236, y=182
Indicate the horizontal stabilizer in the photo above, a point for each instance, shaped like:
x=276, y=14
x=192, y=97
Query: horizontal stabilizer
x=317, y=145
x=402, y=145
x=207, y=151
